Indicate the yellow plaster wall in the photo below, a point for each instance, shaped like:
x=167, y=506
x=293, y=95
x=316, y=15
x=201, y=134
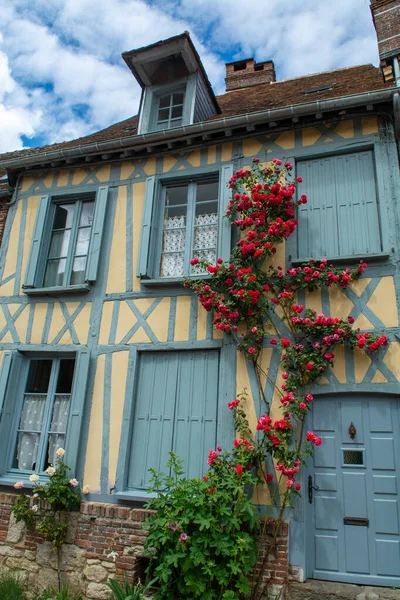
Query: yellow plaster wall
x=182, y=320
x=116, y=281
x=118, y=381
x=12, y=251
x=39, y=320
x=94, y=444
x=31, y=210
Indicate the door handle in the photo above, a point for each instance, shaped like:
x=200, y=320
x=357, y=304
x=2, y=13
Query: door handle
x=311, y=487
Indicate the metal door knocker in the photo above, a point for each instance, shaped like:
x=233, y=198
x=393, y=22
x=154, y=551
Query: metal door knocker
x=352, y=431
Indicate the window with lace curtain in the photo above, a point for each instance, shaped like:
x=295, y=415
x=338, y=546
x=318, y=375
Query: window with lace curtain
x=189, y=226
x=43, y=417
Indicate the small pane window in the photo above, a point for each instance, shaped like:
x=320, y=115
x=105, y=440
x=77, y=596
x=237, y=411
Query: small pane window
x=170, y=110
x=353, y=457
x=190, y=227
x=44, y=415
x=69, y=244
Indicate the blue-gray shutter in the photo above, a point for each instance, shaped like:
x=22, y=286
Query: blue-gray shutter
x=175, y=409
x=144, y=267
x=224, y=224
x=5, y=371
x=195, y=422
x=78, y=397
x=12, y=393
x=100, y=208
x=341, y=216
x=36, y=245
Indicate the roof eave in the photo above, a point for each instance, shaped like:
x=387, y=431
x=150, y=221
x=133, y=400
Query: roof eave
x=204, y=127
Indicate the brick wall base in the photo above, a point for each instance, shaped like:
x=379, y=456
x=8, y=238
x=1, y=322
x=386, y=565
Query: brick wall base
x=103, y=541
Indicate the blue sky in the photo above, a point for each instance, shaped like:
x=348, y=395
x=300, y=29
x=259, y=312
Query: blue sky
x=62, y=76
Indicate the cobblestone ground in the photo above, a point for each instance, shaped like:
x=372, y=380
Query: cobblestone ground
x=327, y=590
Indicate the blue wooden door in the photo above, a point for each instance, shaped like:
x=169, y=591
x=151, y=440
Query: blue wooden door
x=175, y=409
x=353, y=531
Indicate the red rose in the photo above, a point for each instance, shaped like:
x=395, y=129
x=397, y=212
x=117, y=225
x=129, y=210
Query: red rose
x=273, y=341
x=239, y=470
x=269, y=477
x=285, y=342
x=309, y=366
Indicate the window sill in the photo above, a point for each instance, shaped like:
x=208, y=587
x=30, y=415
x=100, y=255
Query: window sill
x=9, y=481
x=135, y=495
x=162, y=281
x=83, y=288
x=346, y=260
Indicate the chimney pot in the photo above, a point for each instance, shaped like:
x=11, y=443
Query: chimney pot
x=246, y=73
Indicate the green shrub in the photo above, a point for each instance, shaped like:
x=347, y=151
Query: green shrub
x=202, y=535
x=125, y=590
x=11, y=588
x=63, y=594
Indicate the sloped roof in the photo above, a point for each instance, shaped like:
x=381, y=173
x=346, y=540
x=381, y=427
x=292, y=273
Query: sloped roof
x=280, y=94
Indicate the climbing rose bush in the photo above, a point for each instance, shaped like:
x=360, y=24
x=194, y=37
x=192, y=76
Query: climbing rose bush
x=259, y=306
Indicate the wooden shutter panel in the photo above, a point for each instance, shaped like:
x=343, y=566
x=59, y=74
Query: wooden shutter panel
x=78, y=397
x=12, y=391
x=38, y=231
x=224, y=224
x=100, y=208
x=5, y=371
x=341, y=217
x=195, y=423
x=153, y=416
x=144, y=267
x=175, y=409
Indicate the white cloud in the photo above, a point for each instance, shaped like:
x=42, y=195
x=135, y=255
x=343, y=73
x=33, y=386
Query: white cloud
x=62, y=76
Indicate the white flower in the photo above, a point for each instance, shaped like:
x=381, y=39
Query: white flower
x=34, y=508
x=60, y=452
x=35, y=496
x=34, y=477
x=86, y=490
x=19, y=485
x=50, y=471
x=73, y=482
x=113, y=555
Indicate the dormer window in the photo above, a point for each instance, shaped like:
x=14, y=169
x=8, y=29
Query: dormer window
x=176, y=90
x=170, y=110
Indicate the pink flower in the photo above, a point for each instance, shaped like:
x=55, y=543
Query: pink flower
x=73, y=482
x=251, y=350
x=219, y=448
x=289, y=483
x=205, y=478
x=212, y=455
x=19, y=485
x=233, y=404
x=183, y=537
x=173, y=526
x=298, y=487
x=302, y=406
x=273, y=341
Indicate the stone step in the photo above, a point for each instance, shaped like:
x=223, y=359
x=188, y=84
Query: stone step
x=329, y=590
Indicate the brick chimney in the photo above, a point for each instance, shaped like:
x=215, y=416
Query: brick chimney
x=245, y=73
x=386, y=17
